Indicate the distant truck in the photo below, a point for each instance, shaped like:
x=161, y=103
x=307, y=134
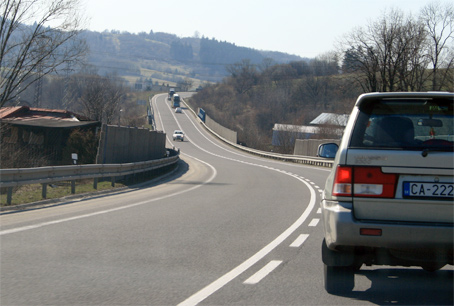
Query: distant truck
x=171, y=93
x=176, y=101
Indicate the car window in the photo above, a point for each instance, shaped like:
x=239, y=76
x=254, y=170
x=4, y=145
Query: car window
x=403, y=124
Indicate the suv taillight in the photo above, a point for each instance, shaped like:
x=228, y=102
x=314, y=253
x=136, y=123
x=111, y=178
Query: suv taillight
x=364, y=182
x=343, y=181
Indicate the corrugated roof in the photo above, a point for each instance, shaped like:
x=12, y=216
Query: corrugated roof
x=330, y=119
x=8, y=111
x=49, y=123
x=295, y=128
x=29, y=116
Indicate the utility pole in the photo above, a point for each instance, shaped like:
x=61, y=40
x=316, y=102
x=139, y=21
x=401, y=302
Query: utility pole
x=38, y=88
x=67, y=70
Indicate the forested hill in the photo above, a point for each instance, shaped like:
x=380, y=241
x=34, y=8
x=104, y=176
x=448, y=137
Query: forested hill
x=164, y=56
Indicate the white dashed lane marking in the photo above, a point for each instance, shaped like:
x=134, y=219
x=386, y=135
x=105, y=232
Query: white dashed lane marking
x=314, y=222
x=257, y=277
x=299, y=241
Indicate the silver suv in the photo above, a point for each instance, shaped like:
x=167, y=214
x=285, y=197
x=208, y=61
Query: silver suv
x=389, y=197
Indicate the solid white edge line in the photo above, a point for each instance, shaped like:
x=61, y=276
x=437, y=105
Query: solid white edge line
x=229, y=276
x=226, y=278
x=258, y=276
x=24, y=228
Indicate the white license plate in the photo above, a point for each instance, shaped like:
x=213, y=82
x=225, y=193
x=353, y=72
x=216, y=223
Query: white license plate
x=431, y=190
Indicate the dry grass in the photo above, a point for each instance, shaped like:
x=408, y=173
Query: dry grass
x=33, y=193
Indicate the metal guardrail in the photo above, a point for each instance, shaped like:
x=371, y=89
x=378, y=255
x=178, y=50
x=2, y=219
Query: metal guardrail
x=45, y=175
x=10, y=178
x=308, y=160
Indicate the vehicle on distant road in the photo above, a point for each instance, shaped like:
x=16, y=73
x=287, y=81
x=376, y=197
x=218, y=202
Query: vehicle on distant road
x=178, y=110
x=178, y=135
x=176, y=101
x=389, y=197
x=171, y=93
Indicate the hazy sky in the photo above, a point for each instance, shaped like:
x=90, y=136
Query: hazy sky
x=300, y=27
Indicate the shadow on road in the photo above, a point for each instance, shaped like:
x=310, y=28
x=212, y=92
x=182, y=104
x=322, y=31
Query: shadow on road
x=407, y=287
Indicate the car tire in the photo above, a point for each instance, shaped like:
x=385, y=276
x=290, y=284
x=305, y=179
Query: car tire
x=338, y=280
x=432, y=267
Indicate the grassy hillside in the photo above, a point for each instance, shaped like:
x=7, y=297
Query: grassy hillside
x=165, y=58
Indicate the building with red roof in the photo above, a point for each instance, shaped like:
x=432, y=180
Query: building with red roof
x=41, y=133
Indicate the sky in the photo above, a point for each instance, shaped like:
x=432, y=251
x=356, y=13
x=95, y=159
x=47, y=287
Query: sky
x=299, y=27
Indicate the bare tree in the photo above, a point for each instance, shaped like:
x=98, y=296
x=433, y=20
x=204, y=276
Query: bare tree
x=286, y=136
x=379, y=50
x=37, y=37
x=414, y=60
x=361, y=59
x=243, y=75
x=99, y=98
x=396, y=53
x=439, y=24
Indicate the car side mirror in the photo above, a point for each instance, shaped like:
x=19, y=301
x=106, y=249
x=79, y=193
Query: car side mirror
x=327, y=150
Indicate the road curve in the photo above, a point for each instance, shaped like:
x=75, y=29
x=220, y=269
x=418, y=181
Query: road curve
x=227, y=228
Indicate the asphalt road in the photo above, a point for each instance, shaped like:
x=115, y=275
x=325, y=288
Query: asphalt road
x=226, y=228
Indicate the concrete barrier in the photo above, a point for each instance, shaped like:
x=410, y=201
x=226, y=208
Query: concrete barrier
x=120, y=144
x=221, y=130
x=309, y=160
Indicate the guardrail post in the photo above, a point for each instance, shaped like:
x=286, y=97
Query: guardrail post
x=73, y=187
x=95, y=183
x=9, y=195
x=10, y=178
x=44, y=191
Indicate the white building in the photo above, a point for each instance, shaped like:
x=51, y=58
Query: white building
x=329, y=124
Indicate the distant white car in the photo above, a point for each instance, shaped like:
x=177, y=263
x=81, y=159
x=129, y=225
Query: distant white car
x=178, y=135
x=178, y=110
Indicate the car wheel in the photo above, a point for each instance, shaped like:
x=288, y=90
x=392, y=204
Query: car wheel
x=339, y=280
x=432, y=267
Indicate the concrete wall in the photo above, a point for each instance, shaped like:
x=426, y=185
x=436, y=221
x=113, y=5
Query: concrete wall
x=220, y=130
x=119, y=144
x=308, y=147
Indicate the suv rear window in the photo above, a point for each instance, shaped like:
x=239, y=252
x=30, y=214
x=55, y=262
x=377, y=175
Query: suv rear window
x=415, y=124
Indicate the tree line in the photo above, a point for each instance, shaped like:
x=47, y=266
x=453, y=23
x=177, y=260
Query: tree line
x=394, y=53
x=403, y=53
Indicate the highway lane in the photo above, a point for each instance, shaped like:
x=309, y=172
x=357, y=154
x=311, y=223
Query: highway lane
x=219, y=151
x=154, y=245
x=302, y=282
x=227, y=228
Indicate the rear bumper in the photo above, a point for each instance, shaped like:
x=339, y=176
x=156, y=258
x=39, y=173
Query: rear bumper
x=342, y=229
